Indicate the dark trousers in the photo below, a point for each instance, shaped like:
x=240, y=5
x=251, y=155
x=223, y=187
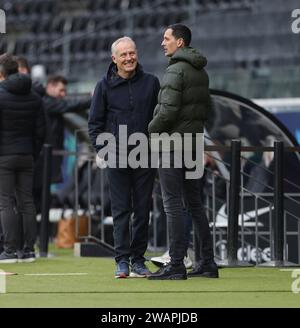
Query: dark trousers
x=1, y=236
x=176, y=190
x=131, y=193
x=15, y=200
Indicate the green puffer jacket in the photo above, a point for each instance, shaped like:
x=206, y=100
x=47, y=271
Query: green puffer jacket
x=184, y=99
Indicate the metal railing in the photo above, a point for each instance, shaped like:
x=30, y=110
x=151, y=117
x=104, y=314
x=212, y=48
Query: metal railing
x=277, y=222
x=237, y=228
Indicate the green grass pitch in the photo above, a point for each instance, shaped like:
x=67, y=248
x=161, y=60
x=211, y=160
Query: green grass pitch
x=239, y=287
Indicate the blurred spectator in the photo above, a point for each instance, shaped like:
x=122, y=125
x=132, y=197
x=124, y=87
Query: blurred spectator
x=24, y=68
x=56, y=106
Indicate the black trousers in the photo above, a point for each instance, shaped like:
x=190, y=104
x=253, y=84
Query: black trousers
x=131, y=193
x=1, y=236
x=179, y=192
x=16, y=200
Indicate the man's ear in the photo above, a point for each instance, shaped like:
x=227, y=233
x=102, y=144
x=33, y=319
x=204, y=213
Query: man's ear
x=2, y=77
x=180, y=43
x=113, y=58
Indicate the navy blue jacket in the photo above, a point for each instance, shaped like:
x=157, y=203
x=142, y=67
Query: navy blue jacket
x=22, y=118
x=117, y=101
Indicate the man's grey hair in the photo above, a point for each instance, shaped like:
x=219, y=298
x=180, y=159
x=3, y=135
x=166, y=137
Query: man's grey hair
x=124, y=38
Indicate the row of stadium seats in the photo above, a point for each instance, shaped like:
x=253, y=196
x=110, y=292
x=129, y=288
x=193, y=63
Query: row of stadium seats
x=28, y=9
x=92, y=25
x=230, y=48
x=34, y=9
x=106, y=22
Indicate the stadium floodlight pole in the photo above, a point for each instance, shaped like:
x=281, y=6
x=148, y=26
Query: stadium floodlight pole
x=278, y=225
x=233, y=213
x=44, y=228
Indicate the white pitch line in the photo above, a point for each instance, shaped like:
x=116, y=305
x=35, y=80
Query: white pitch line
x=56, y=274
x=296, y=269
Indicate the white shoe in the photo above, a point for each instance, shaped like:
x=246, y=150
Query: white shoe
x=165, y=258
x=187, y=262
x=161, y=260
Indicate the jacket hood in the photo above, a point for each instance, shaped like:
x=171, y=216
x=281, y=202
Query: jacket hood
x=114, y=79
x=19, y=84
x=190, y=55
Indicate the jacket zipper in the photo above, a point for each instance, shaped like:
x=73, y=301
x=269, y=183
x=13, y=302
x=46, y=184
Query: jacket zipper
x=130, y=96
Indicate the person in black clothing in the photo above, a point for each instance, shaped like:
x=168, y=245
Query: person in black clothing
x=38, y=88
x=22, y=127
x=56, y=106
x=126, y=96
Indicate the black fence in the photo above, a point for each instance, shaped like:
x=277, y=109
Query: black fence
x=277, y=221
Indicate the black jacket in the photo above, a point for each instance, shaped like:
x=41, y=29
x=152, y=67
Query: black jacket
x=119, y=101
x=22, y=120
x=55, y=109
x=38, y=88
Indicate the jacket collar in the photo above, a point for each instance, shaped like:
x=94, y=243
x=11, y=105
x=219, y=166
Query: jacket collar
x=189, y=55
x=114, y=79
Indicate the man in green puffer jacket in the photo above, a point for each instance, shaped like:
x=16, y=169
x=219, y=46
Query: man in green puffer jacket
x=183, y=106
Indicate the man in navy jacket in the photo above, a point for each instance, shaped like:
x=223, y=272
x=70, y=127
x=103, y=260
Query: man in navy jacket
x=126, y=96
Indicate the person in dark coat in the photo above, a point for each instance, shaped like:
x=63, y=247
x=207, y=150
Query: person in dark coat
x=126, y=96
x=56, y=106
x=183, y=106
x=22, y=130
x=38, y=88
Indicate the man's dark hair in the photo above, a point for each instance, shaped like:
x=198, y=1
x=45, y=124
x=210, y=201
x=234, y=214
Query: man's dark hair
x=22, y=62
x=56, y=79
x=8, y=65
x=181, y=31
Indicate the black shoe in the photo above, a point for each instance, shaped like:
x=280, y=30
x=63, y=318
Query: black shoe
x=26, y=257
x=205, y=270
x=170, y=272
x=8, y=257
